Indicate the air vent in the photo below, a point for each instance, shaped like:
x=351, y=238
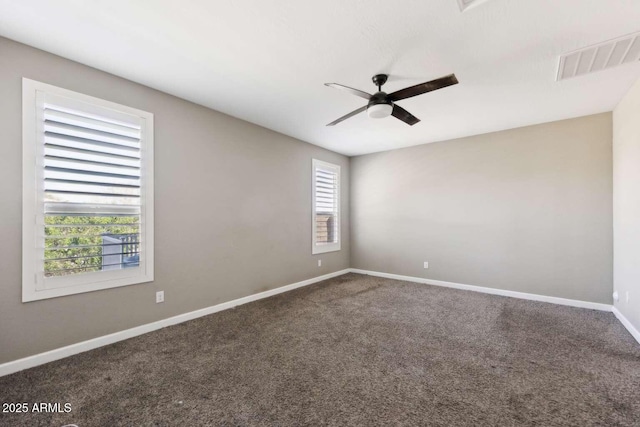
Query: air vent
x=467, y=4
x=623, y=50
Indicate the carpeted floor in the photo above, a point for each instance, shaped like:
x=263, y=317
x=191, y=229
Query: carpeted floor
x=354, y=350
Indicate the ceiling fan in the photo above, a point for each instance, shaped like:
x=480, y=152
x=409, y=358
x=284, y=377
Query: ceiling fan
x=382, y=105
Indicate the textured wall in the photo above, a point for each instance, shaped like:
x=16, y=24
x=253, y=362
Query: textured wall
x=626, y=204
x=232, y=211
x=527, y=210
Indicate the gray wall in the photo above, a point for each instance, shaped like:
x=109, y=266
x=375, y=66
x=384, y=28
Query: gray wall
x=232, y=211
x=527, y=210
x=626, y=204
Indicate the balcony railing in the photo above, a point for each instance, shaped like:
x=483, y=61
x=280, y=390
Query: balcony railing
x=120, y=251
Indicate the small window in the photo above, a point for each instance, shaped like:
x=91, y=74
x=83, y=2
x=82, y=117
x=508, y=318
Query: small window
x=87, y=193
x=326, y=207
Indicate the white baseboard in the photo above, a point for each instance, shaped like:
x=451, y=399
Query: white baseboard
x=70, y=350
x=625, y=322
x=493, y=291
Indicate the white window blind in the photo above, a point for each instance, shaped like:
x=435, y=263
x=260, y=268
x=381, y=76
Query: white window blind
x=88, y=185
x=326, y=207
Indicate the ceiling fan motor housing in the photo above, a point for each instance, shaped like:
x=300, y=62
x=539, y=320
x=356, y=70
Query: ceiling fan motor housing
x=379, y=106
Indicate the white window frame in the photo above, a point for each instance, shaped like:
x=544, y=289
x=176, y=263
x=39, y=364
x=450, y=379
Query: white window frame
x=320, y=248
x=34, y=285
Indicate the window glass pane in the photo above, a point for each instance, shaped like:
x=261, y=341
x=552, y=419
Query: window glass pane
x=326, y=181
x=79, y=244
x=90, y=161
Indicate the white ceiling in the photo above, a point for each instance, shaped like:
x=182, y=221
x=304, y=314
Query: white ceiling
x=266, y=61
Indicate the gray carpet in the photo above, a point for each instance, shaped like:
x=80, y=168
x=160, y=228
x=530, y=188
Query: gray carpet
x=354, y=350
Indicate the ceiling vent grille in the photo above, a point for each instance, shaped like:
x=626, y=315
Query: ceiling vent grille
x=610, y=54
x=467, y=4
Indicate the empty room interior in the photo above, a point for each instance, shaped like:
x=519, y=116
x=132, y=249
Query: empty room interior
x=285, y=213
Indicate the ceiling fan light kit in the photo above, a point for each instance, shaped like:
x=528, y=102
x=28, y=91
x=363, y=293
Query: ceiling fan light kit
x=379, y=111
x=381, y=104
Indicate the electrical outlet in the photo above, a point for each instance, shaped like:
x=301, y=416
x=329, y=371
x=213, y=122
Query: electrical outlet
x=319, y=263
x=426, y=264
x=159, y=297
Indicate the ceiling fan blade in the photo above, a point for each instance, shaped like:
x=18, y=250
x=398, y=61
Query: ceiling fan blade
x=351, y=114
x=424, y=88
x=351, y=90
x=402, y=114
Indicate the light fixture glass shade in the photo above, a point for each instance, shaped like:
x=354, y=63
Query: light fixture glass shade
x=379, y=111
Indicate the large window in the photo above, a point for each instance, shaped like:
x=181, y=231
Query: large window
x=87, y=193
x=326, y=207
